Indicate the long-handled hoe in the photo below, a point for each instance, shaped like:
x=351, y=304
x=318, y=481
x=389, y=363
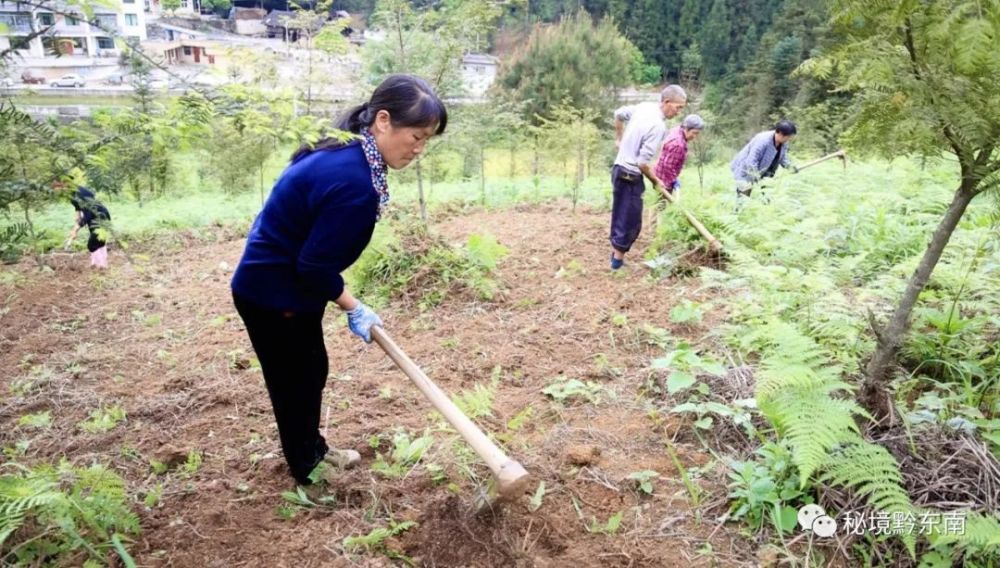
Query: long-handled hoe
x=511, y=478
x=714, y=243
x=838, y=154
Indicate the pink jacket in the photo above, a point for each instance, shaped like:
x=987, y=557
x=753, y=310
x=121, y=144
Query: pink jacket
x=672, y=157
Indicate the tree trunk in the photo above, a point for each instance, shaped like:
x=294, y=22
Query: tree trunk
x=309, y=80
x=32, y=234
x=399, y=35
x=420, y=193
x=535, y=163
x=579, y=174
x=513, y=162
x=874, y=395
x=482, y=174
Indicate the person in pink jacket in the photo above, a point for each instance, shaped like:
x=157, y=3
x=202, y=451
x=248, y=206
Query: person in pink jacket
x=674, y=152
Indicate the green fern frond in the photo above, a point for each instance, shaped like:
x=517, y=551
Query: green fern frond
x=811, y=421
x=789, y=355
x=74, y=508
x=20, y=495
x=870, y=471
x=981, y=535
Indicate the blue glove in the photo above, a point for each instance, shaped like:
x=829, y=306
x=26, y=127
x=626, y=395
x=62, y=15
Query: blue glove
x=676, y=185
x=361, y=319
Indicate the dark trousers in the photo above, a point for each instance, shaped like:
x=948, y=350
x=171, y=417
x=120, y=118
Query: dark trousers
x=626, y=208
x=94, y=242
x=102, y=219
x=293, y=358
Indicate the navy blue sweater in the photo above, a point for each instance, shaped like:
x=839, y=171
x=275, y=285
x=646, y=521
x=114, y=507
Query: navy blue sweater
x=317, y=221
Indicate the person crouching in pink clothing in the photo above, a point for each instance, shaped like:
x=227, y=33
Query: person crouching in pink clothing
x=674, y=152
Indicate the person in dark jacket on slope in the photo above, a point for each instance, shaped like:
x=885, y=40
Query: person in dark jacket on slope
x=317, y=221
x=92, y=214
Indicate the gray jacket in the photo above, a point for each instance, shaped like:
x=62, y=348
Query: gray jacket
x=643, y=135
x=754, y=159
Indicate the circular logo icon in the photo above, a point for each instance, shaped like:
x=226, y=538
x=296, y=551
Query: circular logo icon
x=824, y=526
x=808, y=514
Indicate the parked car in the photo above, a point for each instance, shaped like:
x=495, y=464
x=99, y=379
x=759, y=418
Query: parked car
x=32, y=79
x=71, y=80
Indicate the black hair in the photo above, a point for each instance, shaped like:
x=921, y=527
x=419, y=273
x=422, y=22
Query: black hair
x=82, y=198
x=785, y=127
x=409, y=100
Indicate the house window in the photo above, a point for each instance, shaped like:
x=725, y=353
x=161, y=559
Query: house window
x=107, y=22
x=46, y=19
x=131, y=20
x=63, y=45
x=105, y=43
x=20, y=42
x=184, y=5
x=18, y=22
x=72, y=21
x=187, y=51
x=128, y=1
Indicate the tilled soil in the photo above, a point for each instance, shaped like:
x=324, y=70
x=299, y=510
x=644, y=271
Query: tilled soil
x=161, y=339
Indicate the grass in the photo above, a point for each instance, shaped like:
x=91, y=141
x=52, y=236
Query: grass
x=195, y=201
x=808, y=258
x=826, y=237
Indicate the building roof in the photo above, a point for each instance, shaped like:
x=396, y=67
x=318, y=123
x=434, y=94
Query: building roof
x=479, y=59
x=161, y=46
x=239, y=13
x=278, y=18
x=52, y=5
x=179, y=29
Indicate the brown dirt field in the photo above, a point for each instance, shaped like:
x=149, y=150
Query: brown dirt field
x=161, y=339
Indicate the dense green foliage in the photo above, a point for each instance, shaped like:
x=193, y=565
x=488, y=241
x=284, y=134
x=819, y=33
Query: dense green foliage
x=804, y=269
x=63, y=515
x=411, y=264
x=803, y=274
x=578, y=62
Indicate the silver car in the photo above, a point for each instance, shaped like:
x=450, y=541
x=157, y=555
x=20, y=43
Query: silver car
x=71, y=80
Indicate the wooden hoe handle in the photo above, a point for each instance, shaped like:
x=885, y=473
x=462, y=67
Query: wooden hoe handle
x=512, y=479
x=713, y=243
x=838, y=154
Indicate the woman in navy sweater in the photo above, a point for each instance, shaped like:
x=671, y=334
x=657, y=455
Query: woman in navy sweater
x=315, y=224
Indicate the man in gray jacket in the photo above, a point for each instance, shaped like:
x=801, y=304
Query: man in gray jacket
x=761, y=157
x=639, y=133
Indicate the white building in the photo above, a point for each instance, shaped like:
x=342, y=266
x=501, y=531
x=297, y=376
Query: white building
x=78, y=44
x=479, y=70
x=154, y=10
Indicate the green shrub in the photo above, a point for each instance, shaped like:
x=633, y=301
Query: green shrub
x=63, y=515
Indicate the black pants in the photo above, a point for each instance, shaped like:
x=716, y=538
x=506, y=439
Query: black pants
x=101, y=220
x=293, y=357
x=626, y=208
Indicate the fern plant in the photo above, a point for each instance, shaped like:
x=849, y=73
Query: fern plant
x=53, y=514
x=871, y=472
x=979, y=543
x=406, y=453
